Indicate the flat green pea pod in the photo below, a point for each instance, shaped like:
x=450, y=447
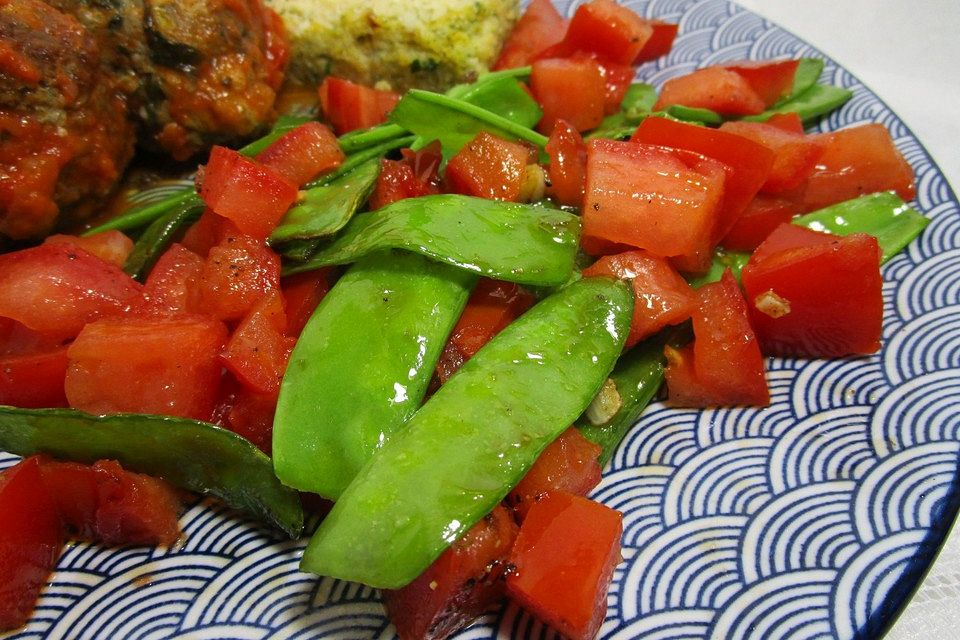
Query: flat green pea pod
x=474, y=439
x=159, y=236
x=191, y=455
x=362, y=366
x=519, y=243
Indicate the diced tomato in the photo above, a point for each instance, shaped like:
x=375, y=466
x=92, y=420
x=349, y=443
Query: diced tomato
x=660, y=42
x=348, y=106
x=564, y=557
x=721, y=90
x=723, y=366
x=568, y=164
x=251, y=415
x=173, y=286
x=617, y=79
x=34, y=380
x=789, y=121
x=813, y=294
x=258, y=350
x=540, y=27
x=749, y=161
x=459, y=586
x=55, y=289
x=302, y=292
x=571, y=90
x=612, y=32
x=763, y=215
x=489, y=167
x=661, y=296
x=208, y=232
x=654, y=198
x=569, y=463
x=105, y=503
x=795, y=154
x=492, y=306
x=30, y=541
x=771, y=79
x=857, y=161
x=110, y=246
x=304, y=153
x=237, y=273
x=253, y=196
x=167, y=366
x=414, y=176
x=16, y=339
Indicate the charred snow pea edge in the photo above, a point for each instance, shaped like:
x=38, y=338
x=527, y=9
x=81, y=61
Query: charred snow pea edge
x=519, y=243
x=480, y=433
x=192, y=455
x=371, y=347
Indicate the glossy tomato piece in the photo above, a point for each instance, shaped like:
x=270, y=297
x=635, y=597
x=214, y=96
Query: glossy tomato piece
x=250, y=415
x=16, y=339
x=564, y=557
x=459, y=586
x=34, y=380
x=770, y=79
x=540, y=27
x=302, y=154
x=489, y=167
x=617, y=79
x=250, y=194
x=208, y=232
x=302, y=292
x=660, y=42
x=173, y=286
x=349, y=106
x=606, y=29
x=817, y=295
x=795, y=154
x=749, y=162
x=654, y=198
x=661, y=296
x=492, y=306
x=167, y=366
x=415, y=175
x=110, y=246
x=105, y=503
x=258, y=350
x=568, y=164
x=30, y=541
x=857, y=161
x=714, y=88
x=237, y=273
x=723, y=366
x=573, y=90
x=762, y=216
x=569, y=463
x=55, y=289
x=789, y=121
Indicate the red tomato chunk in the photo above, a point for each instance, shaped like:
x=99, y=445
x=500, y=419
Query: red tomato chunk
x=110, y=246
x=238, y=272
x=795, y=154
x=563, y=562
x=258, y=350
x=568, y=164
x=173, y=286
x=34, y=380
x=302, y=293
x=304, y=153
x=489, y=167
x=771, y=79
x=571, y=90
x=349, y=106
x=721, y=90
x=540, y=27
x=762, y=216
x=612, y=32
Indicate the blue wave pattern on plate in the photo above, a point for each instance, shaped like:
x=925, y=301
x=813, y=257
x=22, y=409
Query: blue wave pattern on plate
x=813, y=518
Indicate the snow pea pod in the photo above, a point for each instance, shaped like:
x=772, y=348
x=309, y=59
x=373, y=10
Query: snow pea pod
x=192, y=455
x=464, y=450
x=519, y=243
x=818, y=100
x=362, y=366
x=159, y=236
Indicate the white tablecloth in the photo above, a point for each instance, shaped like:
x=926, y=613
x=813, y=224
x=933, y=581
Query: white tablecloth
x=908, y=52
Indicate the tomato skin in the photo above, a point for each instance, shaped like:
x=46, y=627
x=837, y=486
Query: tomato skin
x=573, y=90
x=795, y=154
x=252, y=195
x=55, y=289
x=488, y=167
x=857, y=161
x=654, y=198
x=612, y=32
x=173, y=286
x=413, y=176
x=302, y=292
x=34, y=380
x=31, y=539
x=660, y=42
x=304, y=153
x=258, y=350
x=569, y=463
x=167, y=366
x=661, y=296
x=714, y=88
x=237, y=273
x=833, y=288
x=540, y=27
x=762, y=216
x=565, y=554
x=459, y=586
x=110, y=246
x=568, y=164
x=770, y=79
x=723, y=366
x=349, y=106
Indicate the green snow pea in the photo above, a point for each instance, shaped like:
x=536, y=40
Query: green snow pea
x=807, y=75
x=818, y=100
x=464, y=450
x=694, y=114
x=159, y=236
x=362, y=366
x=192, y=455
x=515, y=242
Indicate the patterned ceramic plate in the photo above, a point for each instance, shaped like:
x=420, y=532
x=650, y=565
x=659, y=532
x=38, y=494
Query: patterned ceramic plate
x=813, y=518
